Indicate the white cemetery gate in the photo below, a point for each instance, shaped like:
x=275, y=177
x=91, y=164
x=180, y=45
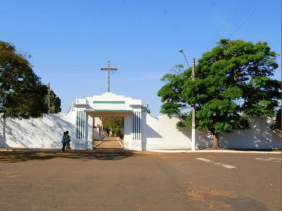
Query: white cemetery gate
x=108, y=104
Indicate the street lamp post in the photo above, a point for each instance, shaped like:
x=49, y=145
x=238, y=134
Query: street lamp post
x=193, y=106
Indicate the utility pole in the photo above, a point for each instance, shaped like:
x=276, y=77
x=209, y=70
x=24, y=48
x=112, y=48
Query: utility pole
x=49, y=98
x=193, y=106
x=193, y=111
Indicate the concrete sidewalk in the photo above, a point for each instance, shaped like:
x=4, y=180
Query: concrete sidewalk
x=216, y=151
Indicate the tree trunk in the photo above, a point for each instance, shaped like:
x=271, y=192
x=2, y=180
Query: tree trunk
x=215, y=141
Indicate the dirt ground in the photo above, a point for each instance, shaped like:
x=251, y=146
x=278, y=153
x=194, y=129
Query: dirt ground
x=114, y=179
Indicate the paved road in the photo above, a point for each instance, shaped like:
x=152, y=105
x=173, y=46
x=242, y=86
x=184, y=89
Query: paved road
x=113, y=179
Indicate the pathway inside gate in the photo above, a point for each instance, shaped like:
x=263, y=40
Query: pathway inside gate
x=110, y=142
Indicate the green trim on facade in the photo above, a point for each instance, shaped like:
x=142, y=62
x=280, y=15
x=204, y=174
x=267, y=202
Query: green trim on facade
x=130, y=111
x=80, y=127
x=111, y=102
x=136, y=125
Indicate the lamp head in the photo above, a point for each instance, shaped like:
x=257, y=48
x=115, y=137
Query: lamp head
x=181, y=50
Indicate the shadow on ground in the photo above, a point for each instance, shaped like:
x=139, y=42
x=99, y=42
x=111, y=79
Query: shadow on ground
x=97, y=154
x=235, y=149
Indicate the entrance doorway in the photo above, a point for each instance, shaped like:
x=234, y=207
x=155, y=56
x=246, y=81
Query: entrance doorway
x=108, y=132
x=128, y=135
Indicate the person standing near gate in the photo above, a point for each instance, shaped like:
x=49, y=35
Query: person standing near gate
x=67, y=141
x=64, y=141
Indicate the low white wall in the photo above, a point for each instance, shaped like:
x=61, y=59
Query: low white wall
x=258, y=137
x=43, y=132
x=162, y=133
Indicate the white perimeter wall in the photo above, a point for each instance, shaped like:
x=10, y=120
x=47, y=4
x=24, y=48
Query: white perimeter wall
x=162, y=133
x=44, y=132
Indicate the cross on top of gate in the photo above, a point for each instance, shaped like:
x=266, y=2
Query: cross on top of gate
x=109, y=69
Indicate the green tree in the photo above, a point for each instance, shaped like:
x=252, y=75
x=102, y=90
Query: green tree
x=112, y=121
x=21, y=90
x=55, y=102
x=233, y=71
x=277, y=123
x=113, y=124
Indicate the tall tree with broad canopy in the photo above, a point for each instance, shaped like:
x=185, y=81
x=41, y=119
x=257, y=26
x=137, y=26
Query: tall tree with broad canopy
x=231, y=80
x=21, y=90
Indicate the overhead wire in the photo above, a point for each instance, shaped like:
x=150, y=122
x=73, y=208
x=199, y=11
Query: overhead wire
x=243, y=18
x=238, y=15
x=233, y=22
x=247, y=18
x=226, y=22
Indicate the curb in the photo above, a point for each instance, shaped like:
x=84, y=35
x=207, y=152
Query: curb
x=211, y=151
x=99, y=144
x=118, y=138
x=158, y=151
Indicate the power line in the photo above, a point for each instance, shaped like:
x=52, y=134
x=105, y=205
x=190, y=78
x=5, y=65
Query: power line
x=235, y=17
x=225, y=24
x=243, y=12
x=247, y=17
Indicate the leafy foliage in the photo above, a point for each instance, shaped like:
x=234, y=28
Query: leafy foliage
x=233, y=71
x=113, y=124
x=55, y=102
x=277, y=123
x=21, y=90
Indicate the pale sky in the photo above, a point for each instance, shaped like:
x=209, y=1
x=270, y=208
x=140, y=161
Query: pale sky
x=70, y=40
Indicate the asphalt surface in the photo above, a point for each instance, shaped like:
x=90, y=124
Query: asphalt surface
x=113, y=179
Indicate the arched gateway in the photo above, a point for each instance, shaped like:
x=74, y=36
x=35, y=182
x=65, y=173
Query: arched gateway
x=108, y=104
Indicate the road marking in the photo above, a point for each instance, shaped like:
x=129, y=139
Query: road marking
x=220, y=164
x=270, y=159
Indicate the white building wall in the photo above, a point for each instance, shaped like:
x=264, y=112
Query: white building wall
x=127, y=132
x=108, y=96
x=86, y=142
